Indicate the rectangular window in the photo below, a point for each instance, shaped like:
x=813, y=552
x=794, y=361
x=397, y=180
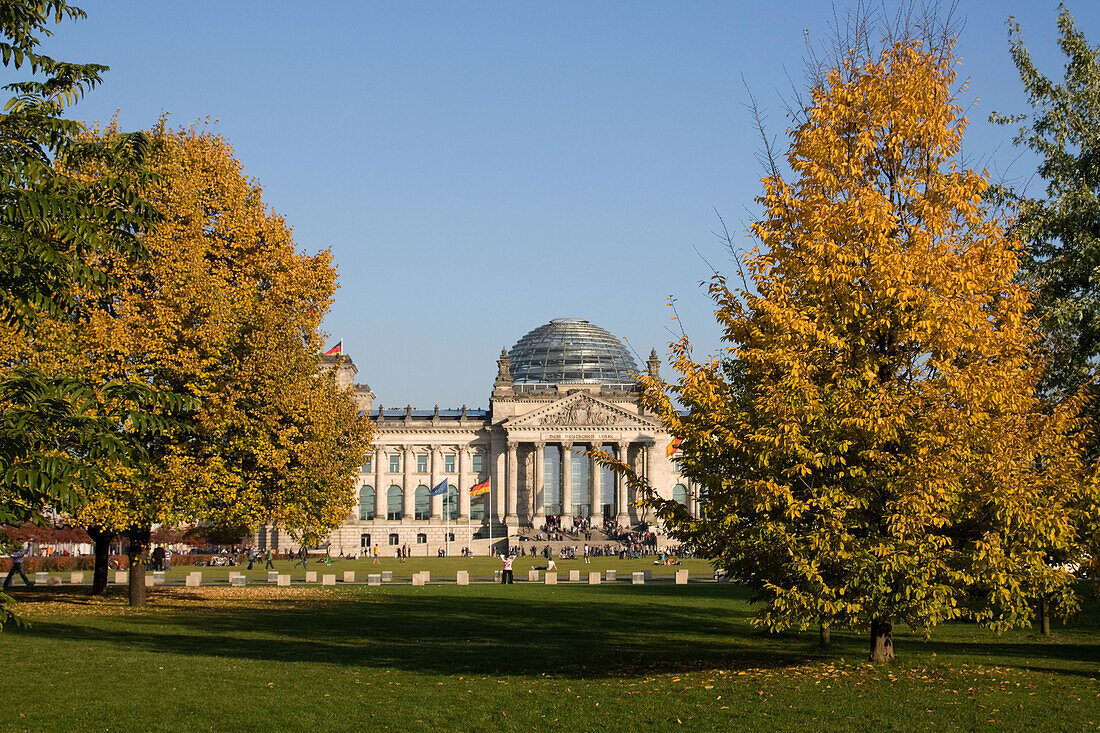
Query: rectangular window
x=395, y=464
x=421, y=463
x=477, y=463
x=368, y=465
x=448, y=464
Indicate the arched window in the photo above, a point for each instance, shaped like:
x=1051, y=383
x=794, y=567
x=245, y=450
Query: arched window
x=366, y=503
x=680, y=494
x=422, y=508
x=450, y=503
x=394, y=503
x=421, y=539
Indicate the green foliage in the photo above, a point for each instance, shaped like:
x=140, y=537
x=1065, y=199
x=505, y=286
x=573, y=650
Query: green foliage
x=57, y=432
x=51, y=222
x=1062, y=229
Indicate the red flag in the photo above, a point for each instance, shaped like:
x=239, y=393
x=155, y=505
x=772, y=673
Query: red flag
x=336, y=350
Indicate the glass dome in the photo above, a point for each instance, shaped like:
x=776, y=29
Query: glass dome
x=571, y=351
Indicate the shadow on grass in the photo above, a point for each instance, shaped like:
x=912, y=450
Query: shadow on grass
x=577, y=631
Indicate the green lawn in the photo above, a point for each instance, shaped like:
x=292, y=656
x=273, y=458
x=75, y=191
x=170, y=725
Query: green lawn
x=522, y=657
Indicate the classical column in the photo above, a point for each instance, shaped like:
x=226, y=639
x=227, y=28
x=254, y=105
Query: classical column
x=513, y=485
x=409, y=486
x=499, y=477
x=540, y=489
x=622, y=515
x=436, y=502
x=595, y=516
x=464, y=484
x=567, y=485
x=647, y=449
x=380, y=486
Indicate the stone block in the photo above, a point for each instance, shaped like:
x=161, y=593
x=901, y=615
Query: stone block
x=283, y=580
x=637, y=578
x=158, y=576
x=417, y=579
x=349, y=576
x=53, y=580
x=76, y=578
x=150, y=581
x=681, y=577
x=41, y=577
x=462, y=578
x=551, y=578
x=497, y=575
x=238, y=581
x=122, y=577
x=193, y=580
x=574, y=576
x=272, y=576
x=609, y=575
x=387, y=576
x=594, y=578
x=374, y=579
x=311, y=576
x=328, y=579
x=532, y=576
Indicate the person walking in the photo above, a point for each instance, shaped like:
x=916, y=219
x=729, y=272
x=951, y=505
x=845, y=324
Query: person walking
x=253, y=556
x=506, y=576
x=376, y=556
x=302, y=555
x=17, y=567
x=269, y=565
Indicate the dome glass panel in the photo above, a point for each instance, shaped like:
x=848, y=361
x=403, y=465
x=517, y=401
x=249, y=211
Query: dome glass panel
x=571, y=351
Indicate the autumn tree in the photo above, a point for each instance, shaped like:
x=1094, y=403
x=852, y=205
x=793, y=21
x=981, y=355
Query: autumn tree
x=870, y=448
x=1061, y=228
x=225, y=311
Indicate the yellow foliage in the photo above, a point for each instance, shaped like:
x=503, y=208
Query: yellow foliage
x=870, y=447
x=224, y=310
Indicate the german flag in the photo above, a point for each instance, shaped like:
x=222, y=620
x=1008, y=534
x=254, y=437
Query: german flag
x=482, y=488
x=673, y=447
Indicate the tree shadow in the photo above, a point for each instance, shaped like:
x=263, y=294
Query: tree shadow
x=578, y=631
x=606, y=633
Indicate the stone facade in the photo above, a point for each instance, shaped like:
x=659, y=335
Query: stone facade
x=528, y=445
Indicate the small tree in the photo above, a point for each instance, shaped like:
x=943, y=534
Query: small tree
x=870, y=449
x=1062, y=230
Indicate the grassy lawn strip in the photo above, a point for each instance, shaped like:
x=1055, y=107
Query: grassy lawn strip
x=520, y=657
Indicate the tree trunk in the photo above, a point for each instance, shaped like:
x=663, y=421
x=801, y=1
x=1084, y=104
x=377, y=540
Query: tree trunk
x=1044, y=617
x=882, y=642
x=139, y=546
x=824, y=638
x=102, y=540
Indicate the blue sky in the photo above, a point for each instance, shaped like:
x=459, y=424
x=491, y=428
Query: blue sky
x=481, y=168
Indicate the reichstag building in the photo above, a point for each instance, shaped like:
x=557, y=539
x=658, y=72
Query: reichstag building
x=562, y=389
